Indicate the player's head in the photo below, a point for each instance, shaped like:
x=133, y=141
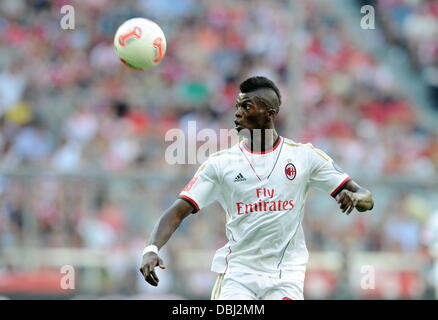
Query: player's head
x=257, y=104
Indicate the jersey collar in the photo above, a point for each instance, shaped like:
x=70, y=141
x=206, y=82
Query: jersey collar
x=262, y=152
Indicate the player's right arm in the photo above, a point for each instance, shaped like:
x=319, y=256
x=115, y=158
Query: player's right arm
x=198, y=193
x=163, y=230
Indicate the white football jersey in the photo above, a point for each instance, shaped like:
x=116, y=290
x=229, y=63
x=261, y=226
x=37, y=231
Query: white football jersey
x=263, y=195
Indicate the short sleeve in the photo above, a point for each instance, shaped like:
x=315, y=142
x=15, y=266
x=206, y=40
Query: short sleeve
x=325, y=175
x=202, y=189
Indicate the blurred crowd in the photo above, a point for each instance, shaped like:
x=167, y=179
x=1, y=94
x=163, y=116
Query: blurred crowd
x=413, y=25
x=82, y=136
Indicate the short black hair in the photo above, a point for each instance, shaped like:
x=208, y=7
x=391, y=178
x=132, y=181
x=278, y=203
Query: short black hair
x=259, y=82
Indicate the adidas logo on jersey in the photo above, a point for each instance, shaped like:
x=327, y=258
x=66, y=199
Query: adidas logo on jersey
x=239, y=178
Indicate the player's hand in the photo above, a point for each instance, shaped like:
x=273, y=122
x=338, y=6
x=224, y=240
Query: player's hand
x=348, y=200
x=150, y=261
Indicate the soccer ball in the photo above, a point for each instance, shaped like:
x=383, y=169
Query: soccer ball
x=140, y=43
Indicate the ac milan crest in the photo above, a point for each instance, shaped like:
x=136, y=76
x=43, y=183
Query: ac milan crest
x=290, y=171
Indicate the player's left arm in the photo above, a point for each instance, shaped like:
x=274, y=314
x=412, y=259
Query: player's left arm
x=353, y=196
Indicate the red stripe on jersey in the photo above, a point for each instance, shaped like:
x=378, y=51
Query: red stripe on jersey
x=190, y=184
x=336, y=191
x=193, y=202
x=263, y=152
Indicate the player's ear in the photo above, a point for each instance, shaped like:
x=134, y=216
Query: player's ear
x=272, y=113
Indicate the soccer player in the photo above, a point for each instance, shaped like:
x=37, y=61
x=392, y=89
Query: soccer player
x=261, y=183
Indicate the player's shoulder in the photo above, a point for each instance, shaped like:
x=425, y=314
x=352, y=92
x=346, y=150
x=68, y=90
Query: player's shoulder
x=223, y=154
x=233, y=150
x=290, y=143
x=308, y=147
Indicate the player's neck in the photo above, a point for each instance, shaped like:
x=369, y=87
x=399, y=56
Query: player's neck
x=262, y=140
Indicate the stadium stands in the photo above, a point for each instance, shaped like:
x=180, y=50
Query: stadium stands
x=82, y=136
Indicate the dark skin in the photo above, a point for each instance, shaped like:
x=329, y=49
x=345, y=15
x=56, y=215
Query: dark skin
x=166, y=226
x=254, y=110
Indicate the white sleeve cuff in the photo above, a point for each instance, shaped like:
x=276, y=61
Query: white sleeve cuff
x=151, y=248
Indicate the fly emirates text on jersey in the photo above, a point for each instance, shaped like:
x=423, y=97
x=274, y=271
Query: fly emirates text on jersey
x=264, y=204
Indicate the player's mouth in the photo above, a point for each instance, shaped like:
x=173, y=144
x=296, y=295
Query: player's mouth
x=238, y=125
